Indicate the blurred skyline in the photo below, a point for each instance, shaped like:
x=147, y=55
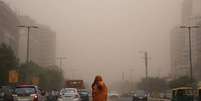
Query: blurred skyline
x=106, y=36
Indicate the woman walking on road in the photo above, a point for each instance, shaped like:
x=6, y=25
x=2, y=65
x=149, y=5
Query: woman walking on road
x=99, y=90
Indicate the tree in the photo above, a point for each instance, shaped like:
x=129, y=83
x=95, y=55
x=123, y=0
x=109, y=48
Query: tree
x=8, y=61
x=56, y=79
x=49, y=77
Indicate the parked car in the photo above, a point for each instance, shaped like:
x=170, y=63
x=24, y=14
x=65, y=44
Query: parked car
x=27, y=93
x=84, y=94
x=6, y=93
x=140, y=95
x=69, y=94
x=114, y=94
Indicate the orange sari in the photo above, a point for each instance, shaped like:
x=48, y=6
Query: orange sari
x=99, y=92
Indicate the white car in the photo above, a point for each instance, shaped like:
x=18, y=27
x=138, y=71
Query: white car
x=114, y=94
x=27, y=93
x=69, y=94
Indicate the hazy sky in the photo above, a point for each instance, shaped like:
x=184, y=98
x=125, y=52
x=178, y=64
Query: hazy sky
x=105, y=36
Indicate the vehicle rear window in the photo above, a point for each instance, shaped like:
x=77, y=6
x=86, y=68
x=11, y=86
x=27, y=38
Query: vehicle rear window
x=25, y=90
x=84, y=93
x=68, y=91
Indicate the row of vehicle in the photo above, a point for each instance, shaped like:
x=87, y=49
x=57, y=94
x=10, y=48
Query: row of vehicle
x=21, y=93
x=137, y=95
x=176, y=94
x=34, y=93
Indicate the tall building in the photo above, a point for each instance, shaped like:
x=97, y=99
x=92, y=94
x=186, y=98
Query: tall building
x=179, y=53
x=8, y=31
x=47, y=44
x=42, y=43
x=196, y=20
x=191, y=15
x=196, y=8
x=187, y=7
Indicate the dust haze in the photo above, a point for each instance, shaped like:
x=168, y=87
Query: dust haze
x=107, y=37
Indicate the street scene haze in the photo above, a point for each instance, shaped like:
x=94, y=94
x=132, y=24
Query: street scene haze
x=100, y=50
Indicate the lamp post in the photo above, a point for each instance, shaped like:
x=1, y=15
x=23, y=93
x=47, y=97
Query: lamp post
x=146, y=58
x=28, y=27
x=190, y=48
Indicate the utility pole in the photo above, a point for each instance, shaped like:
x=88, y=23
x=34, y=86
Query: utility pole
x=146, y=63
x=61, y=61
x=28, y=27
x=131, y=77
x=190, y=48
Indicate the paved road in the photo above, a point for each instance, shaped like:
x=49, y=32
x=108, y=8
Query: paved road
x=130, y=99
x=120, y=99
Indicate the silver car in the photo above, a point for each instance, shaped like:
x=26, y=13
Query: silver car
x=69, y=94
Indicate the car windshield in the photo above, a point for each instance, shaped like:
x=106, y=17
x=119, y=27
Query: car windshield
x=25, y=90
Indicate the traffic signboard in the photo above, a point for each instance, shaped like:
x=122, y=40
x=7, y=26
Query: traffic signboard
x=35, y=80
x=13, y=76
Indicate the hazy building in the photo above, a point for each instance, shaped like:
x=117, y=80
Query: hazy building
x=42, y=43
x=191, y=15
x=187, y=7
x=179, y=53
x=8, y=31
x=196, y=20
x=196, y=8
x=47, y=44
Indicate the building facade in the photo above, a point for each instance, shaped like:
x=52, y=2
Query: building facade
x=42, y=43
x=191, y=15
x=8, y=31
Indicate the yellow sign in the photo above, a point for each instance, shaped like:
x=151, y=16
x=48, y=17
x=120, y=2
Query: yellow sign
x=13, y=76
x=35, y=80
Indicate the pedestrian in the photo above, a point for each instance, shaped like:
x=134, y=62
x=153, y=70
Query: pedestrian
x=99, y=90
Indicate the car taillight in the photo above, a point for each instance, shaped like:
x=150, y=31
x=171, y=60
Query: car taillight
x=35, y=98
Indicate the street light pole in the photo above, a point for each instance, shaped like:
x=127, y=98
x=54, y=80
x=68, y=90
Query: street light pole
x=146, y=59
x=190, y=48
x=28, y=36
x=146, y=63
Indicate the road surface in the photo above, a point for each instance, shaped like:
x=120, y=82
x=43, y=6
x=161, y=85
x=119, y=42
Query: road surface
x=130, y=99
